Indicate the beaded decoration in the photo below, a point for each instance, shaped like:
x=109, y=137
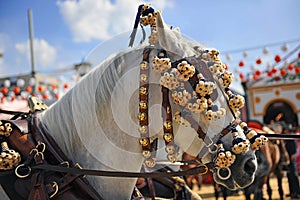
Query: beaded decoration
x=148, y=147
x=256, y=140
x=192, y=92
x=149, y=18
x=239, y=145
x=224, y=158
x=9, y=158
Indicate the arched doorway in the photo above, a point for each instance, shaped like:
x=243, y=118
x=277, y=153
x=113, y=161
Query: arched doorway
x=279, y=108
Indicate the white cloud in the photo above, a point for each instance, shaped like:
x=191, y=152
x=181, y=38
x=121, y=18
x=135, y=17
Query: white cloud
x=44, y=53
x=101, y=19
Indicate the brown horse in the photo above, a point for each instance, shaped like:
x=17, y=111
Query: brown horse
x=271, y=159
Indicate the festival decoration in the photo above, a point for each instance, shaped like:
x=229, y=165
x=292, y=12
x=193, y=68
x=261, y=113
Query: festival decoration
x=258, y=61
x=241, y=64
x=277, y=58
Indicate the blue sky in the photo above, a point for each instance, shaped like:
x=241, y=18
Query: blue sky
x=66, y=31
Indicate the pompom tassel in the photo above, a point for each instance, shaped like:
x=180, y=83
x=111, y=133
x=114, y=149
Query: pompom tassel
x=239, y=145
x=224, y=158
x=256, y=140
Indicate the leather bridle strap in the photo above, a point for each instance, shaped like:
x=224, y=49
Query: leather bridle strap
x=15, y=114
x=202, y=169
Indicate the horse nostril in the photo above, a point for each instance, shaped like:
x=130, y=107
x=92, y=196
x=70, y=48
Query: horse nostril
x=250, y=166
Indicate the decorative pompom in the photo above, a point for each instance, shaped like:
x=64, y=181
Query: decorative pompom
x=236, y=102
x=204, y=88
x=199, y=106
x=5, y=129
x=161, y=65
x=217, y=69
x=214, y=54
x=239, y=145
x=259, y=140
x=180, y=120
x=9, y=158
x=256, y=140
x=226, y=79
x=150, y=18
x=214, y=115
x=224, y=158
x=181, y=97
x=169, y=81
x=184, y=71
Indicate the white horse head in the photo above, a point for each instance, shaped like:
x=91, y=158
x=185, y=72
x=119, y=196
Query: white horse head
x=96, y=122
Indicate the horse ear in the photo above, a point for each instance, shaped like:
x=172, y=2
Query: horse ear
x=168, y=38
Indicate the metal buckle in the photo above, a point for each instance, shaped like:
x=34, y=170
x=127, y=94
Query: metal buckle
x=212, y=148
x=77, y=165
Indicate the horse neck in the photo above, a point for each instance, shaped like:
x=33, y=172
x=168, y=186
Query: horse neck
x=84, y=117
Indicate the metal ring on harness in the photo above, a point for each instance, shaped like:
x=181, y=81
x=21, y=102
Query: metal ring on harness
x=224, y=177
x=214, y=149
x=25, y=167
x=41, y=144
x=54, y=185
x=205, y=167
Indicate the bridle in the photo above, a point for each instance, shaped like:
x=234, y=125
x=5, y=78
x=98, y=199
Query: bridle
x=186, y=73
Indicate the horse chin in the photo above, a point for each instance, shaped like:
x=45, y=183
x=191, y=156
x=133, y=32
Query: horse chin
x=242, y=173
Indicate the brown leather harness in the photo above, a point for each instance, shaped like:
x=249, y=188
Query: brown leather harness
x=37, y=148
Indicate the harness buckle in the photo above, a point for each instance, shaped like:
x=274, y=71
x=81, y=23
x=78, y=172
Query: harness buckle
x=212, y=148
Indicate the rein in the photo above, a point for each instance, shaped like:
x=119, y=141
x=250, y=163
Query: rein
x=281, y=136
x=202, y=169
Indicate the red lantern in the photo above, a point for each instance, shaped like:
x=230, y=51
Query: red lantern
x=4, y=90
x=28, y=89
x=241, y=64
x=283, y=72
x=258, y=61
x=257, y=73
x=45, y=96
x=255, y=76
x=277, y=58
x=40, y=88
x=274, y=70
x=56, y=95
x=242, y=76
x=291, y=67
x=299, y=55
x=270, y=73
x=66, y=85
x=17, y=90
x=297, y=70
x=53, y=86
